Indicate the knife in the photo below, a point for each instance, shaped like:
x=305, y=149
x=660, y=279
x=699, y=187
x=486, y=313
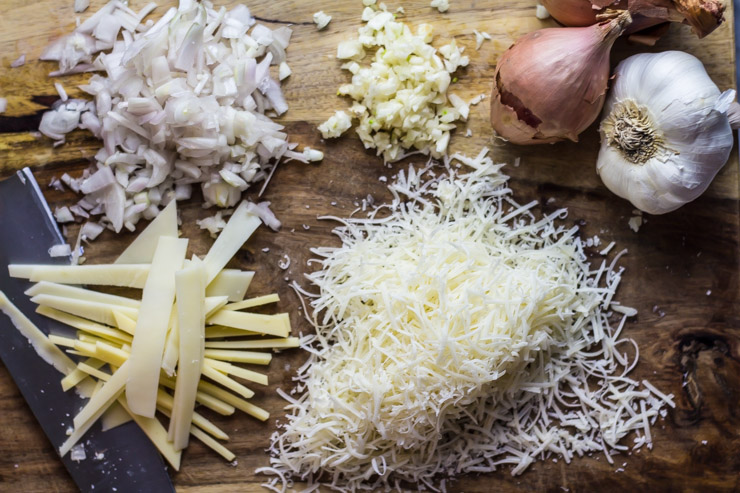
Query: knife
x=122, y=459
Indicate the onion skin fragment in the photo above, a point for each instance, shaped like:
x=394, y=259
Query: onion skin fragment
x=551, y=84
x=704, y=16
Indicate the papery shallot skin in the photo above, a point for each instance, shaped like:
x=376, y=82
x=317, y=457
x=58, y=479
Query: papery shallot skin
x=704, y=16
x=573, y=13
x=551, y=84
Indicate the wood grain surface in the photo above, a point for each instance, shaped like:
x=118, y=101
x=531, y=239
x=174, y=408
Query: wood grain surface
x=681, y=271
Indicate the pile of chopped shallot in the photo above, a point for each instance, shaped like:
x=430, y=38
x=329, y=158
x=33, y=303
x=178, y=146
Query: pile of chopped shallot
x=185, y=100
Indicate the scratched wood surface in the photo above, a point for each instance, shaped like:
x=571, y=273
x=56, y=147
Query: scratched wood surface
x=681, y=270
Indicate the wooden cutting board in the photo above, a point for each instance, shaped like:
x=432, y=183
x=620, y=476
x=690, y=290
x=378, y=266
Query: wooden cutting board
x=681, y=270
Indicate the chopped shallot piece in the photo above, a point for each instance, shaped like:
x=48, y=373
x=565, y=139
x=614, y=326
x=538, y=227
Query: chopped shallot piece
x=181, y=101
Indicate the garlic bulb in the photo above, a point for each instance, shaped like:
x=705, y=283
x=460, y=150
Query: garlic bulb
x=665, y=132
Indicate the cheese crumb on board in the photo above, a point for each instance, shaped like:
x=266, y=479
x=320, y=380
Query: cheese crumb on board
x=453, y=333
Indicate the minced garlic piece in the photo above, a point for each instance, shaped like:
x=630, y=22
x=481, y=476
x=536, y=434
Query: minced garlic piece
x=321, y=20
x=441, y=5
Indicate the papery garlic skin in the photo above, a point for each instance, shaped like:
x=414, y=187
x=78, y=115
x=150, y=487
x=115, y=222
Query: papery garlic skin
x=665, y=132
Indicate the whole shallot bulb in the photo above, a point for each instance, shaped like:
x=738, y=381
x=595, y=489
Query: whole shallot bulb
x=550, y=85
x=704, y=16
x=578, y=13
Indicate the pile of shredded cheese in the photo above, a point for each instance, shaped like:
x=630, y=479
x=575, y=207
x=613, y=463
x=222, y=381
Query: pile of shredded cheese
x=400, y=99
x=457, y=333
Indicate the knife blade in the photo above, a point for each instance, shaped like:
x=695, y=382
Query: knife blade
x=122, y=459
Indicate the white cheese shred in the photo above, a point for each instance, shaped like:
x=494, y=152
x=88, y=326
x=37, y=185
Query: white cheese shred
x=456, y=333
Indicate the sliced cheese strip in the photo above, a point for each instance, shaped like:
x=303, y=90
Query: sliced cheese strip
x=111, y=355
x=165, y=402
x=227, y=382
x=283, y=343
x=275, y=325
x=235, y=401
x=203, y=398
x=232, y=283
x=171, y=344
x=80, y=431
x=114, y=417
x=253, y=302
x=20, y=271
x=212, y=444
x=219, y=331
x=208, y=440
x=252, y=357
x=190, y=284
x=141, y=250
x=76, y=376
x=62, y=341
x=48, y=351
x=91, y=310
x=84, y=325
x=214, y=304
x=126, y=324
x=236, y=371
x=67, y=291
x=81, y=336
x=104, y=397
x=157, y=434
x=93, y=372
x=151, y=326
x=240, y=227
x=127, y=276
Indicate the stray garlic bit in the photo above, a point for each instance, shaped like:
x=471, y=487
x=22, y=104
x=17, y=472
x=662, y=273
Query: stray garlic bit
x=541, y=13
x=321, y=20
x=441, y=5
x=666, y=131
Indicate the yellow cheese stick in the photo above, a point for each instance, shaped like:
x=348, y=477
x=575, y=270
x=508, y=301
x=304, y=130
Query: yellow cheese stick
x=190, y=284
x=82, y=324
x=227, y=382
x=253, y=302
x=67, y=291
x=283, y=343
x=127, y=276
x=157, y=434
x=275, y=325
x=91, y=310
x=232, y=283
x=235, y=401
x=252, y=357
x=151, y=326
